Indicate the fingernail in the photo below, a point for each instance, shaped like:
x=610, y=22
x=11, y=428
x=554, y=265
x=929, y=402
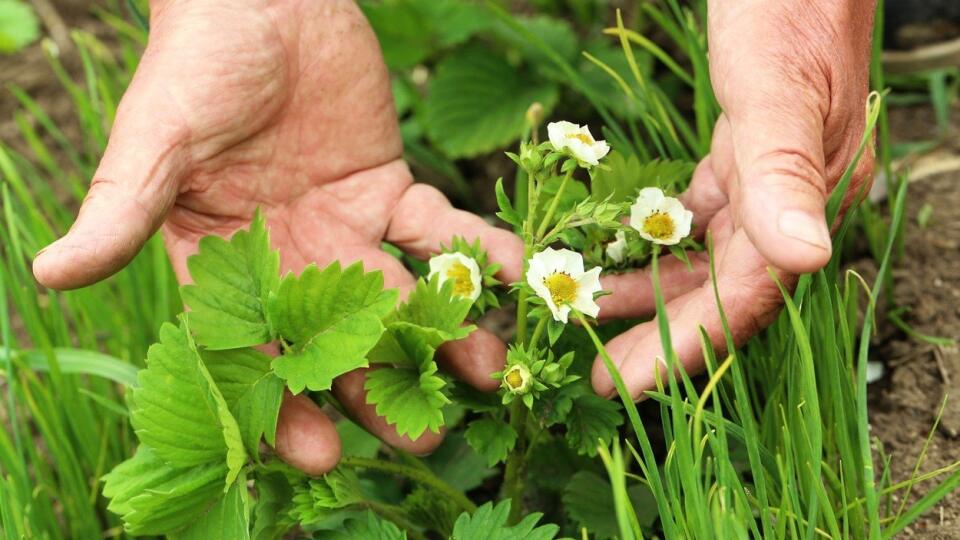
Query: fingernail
x=801, y=226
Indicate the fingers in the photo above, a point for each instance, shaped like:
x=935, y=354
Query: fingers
x=474, y=358
x=776, y=130
x=707, y=193
x=348, y=389
x=306, y=438
x=631, y=294
x=750, y=300
x=424, y=219
x=133, y=188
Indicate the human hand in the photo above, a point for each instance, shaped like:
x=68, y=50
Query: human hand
x=792, y=80
x=286, y=107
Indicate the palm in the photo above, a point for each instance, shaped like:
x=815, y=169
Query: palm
x=299, y=128
x=239, y=105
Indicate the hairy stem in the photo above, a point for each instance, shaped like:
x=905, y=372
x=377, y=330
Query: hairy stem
x=513, y=476
x=552, y=209
x=538, y=331
x=416, y=474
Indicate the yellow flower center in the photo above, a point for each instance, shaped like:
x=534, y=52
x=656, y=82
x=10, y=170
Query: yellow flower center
x=462, y=284
x=514, y=378
x=562, y=287
x=659, y=226
x=584, y=138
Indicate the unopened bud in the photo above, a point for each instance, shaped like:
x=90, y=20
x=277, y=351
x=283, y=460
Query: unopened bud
x=534, y=114
x=517, y=379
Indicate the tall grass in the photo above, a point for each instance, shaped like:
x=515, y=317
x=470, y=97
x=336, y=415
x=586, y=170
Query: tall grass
x=64, y=424
x=777, y=443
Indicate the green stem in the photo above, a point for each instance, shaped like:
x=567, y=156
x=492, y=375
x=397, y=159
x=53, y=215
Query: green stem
x=413, y=473
x=538, y=331
x=395, y=514
x=513, y=475
x=552, y=209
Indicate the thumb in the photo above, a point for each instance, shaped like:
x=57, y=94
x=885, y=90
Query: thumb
x=782, y=190
x=134, y=186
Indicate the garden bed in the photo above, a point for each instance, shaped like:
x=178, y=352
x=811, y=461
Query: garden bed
x=905, y=403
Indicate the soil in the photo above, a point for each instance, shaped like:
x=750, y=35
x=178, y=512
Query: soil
x=30, y=71
x=919, y=375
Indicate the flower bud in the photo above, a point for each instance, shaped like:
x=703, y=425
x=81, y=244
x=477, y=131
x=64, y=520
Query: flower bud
x=517, y=379
x=534, y=114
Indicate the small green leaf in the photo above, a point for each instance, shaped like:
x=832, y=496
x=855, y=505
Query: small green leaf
x=411, y=400
x=590, y=420
x=154, y=498
x=554, y=330
x=178, y=411
x=625, y=176
x=331, y=319
x=588, y=498
x=231, y=283
x=373, y=528
x=492, y=439
x=319, y=502
x=228, y=519
x=431, y=316
x=490, y=523
x=435, y=308
x=251, y=390
x=507, y=212
x=477, y=102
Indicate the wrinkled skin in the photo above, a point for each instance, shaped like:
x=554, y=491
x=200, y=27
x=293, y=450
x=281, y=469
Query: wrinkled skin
x=286, y=106
x=792, y=80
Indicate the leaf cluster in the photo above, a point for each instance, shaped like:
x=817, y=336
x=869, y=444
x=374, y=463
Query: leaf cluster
x=207, y=397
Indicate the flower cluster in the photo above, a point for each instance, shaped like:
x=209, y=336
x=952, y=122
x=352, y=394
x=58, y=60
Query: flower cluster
x=556, y=280
x=524, y=377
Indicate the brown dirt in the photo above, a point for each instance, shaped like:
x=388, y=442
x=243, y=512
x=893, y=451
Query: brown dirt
x=29, y=70
x=920, y=375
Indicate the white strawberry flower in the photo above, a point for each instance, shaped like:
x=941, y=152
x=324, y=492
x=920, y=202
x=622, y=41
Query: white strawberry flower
x=463, y=270
x=660, y=219
x=578, y=141
x=616, y=250
x=558, y=277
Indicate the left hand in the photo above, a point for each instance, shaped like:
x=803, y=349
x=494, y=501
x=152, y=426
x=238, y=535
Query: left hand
x=792, y=79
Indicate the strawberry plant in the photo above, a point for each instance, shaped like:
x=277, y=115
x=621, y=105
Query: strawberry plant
x=208, y=395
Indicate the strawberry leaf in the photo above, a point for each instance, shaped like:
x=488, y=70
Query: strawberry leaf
x=154, y=498
x=331, y=319
x=229, y=517
x=492, y=439
x=231, y=282
x=178, y=411
x=490, y=523
x=252, y=392
x=408, y=398
x=592, y=419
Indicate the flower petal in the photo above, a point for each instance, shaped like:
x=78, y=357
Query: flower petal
x=557, y=133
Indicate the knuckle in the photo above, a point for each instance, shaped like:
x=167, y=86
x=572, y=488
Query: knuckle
x=791, y=168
